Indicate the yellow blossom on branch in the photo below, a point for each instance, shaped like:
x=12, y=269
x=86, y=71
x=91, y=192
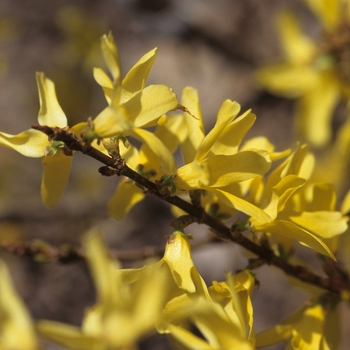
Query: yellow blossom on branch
x=34, y=143
x=124, y=312
x=132, y=106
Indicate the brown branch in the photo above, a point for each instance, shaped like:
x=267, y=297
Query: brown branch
x=41, y=251
x=117, y=166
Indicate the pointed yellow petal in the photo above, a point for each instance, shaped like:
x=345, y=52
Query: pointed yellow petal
x=172, y=132
x=136, y=78
x=30, y=143
x=231, y=137
x=227, y=112
x=111, y=56
x=158, y=150
x=103, y=269
x=50, y=112
x=150, y=104
x=298, y=48
x=273, y=335
x=15, y=319
x=126, y=196
x=224, y=170
x=66, y=335
x=316, y=108
x=105, y=82
x=55, y=177
x=112, y=121
x=287, y=79
x=294, y=232
x=328, y=11
x=178, y=257
x=243, y=206
x=325, y=224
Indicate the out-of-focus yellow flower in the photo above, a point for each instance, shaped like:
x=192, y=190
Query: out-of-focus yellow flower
x=316, y=73
x=222, y=319
x=34, y=143
x=124, y=311
x=309, y=328
x=177, y=262
x=16, y=327
x=132, y=105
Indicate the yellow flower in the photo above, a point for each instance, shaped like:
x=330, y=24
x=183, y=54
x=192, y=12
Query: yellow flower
x=317, y=74
x=16, y=327
x=276, y=206
x=34, y=143
x=309, y=328
x=222, y=318
x=124, y=312
x=132, y=106
x=214, y=160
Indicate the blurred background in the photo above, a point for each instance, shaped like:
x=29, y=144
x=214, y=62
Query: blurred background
x=213, y=45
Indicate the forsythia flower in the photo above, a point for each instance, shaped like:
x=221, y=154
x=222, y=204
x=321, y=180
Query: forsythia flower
x=221, y=318
x=132, y=106
x=34, y=143
x=16, y=327
x=214, y=160
x=309, y=328
x=123, y=313
x=316, y=73
x=279, y=209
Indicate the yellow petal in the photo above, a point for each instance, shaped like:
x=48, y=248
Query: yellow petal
x=287, y=79
x=112, y=121
x=157, y=150
x=172, y=132
x=15, y=319
x=50, y=112
x=30, y=143
x=111, y=56
x=178, y=257
x=227, y=112
x=188, y=339
x=150, y=104
x=66, y=335
x=263, y=143
x=328, y=11
x=292, y=231
x=103, y=80
x=136, y=78
x=273, y=335
x=315, y=108
x=324, y=197
x=232, y=136
x=325, y=224
x=103, y=269
x=55, y=177
x=126, y=196
x=308, y=331
x=224, y=170
x=243, y=206
x=298, y=48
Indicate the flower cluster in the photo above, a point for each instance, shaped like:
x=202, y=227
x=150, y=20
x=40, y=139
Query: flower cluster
x=222, y=174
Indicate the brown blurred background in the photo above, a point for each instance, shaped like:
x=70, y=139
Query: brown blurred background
x=213, y=45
